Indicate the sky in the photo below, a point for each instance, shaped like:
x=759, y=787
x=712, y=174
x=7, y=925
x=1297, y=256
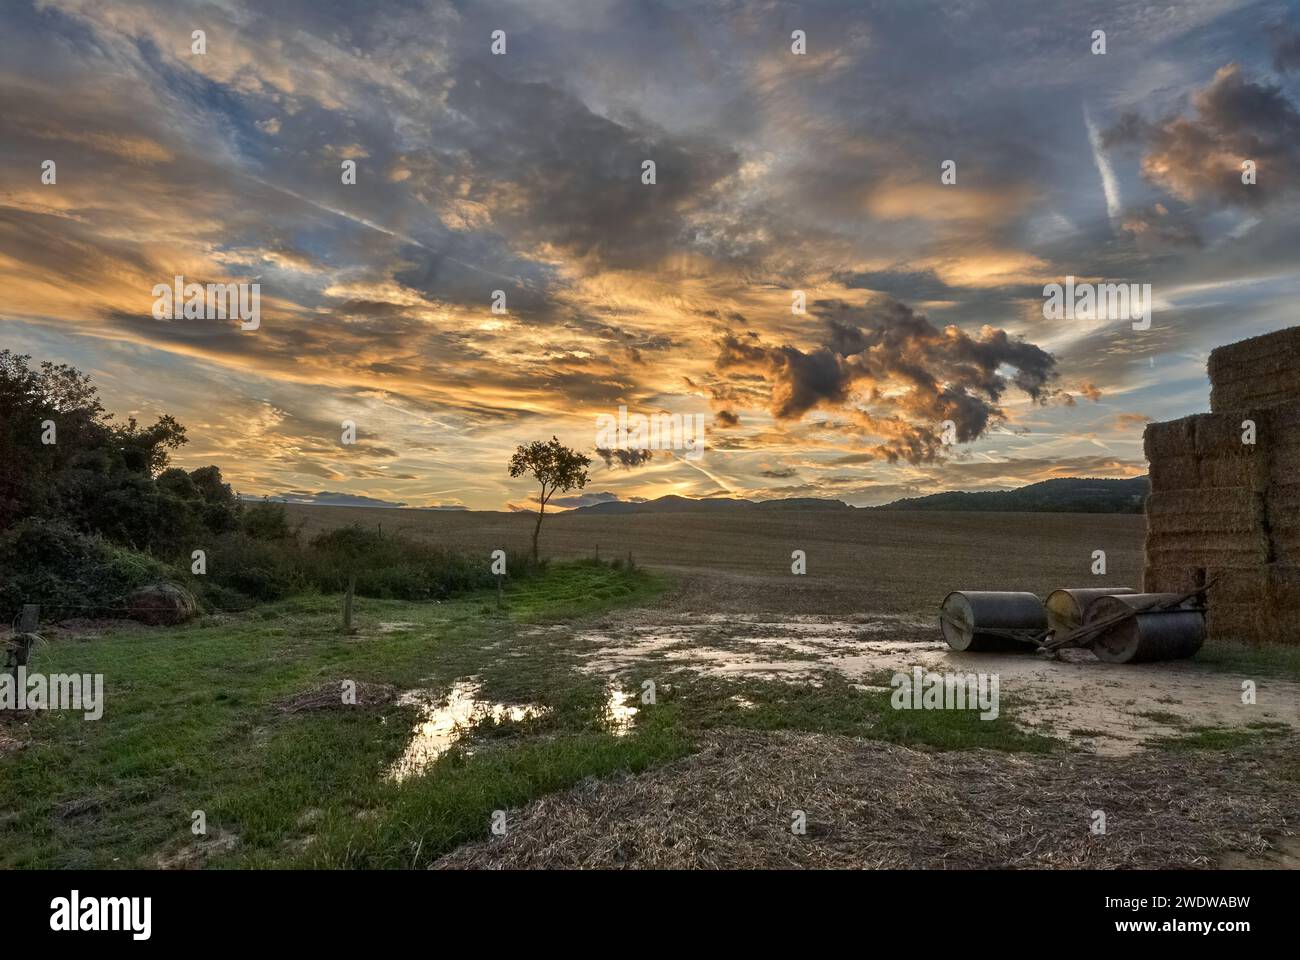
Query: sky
x=923, y=359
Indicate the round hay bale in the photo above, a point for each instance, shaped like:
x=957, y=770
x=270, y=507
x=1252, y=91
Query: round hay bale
x=161, y=604
x=984, y=621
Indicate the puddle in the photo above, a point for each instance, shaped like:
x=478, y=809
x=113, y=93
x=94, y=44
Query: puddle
x=1123, y=706
x=444, y=721
x=619, y=715
x=393, y=626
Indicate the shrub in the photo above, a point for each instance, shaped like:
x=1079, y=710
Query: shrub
x=266, y=521
x=260, y=569
x=69, y=573
x=397, y=568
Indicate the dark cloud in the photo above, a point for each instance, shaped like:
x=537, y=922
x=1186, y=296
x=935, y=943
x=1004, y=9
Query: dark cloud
x=872, y=351
x=1236, y=119
x=1130, y=128
x=1286, y=53
x=907, y=285
x=556, y=173
x=1157, y=223
x=626, y=459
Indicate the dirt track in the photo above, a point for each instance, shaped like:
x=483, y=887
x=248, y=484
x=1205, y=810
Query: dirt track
x=1121, y=706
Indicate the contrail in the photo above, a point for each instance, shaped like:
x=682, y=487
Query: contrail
x=695, y=466
x=379, y=227
x=1109, y=185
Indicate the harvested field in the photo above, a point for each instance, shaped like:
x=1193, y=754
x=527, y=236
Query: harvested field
x=874, y=805
x=859, y=561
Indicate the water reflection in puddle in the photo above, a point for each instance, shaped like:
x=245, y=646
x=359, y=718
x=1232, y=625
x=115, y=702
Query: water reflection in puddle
x=443, y=722
x=618, y=714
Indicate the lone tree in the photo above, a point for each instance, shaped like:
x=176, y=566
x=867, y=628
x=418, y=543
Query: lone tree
x=555, y=467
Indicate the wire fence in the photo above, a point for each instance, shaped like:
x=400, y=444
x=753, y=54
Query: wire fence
x=207, y=609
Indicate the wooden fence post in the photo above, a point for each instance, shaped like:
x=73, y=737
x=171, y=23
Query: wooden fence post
x=17, y=651
x=347, y=603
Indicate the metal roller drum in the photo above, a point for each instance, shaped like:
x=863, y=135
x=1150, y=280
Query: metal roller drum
x=1150, y=635
x=983, y=621
x=1065, y=607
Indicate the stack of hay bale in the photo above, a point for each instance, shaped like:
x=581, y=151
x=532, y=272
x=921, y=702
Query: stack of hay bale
x=1227, y=510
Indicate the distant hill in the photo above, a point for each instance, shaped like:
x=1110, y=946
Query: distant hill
x=1066, y=495
x=675, y=504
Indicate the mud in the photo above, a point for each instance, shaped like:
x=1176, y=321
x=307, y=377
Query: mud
x=1104, y=708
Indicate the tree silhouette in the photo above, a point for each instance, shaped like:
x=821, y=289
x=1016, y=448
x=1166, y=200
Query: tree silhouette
x=555, y=467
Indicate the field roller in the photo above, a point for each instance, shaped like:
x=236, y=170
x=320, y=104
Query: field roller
x=1148, y=627
x=1065, y=608
x=984, y=621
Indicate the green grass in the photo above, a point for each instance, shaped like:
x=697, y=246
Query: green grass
x=1221, y=738
x=569, y=591
x=1162, y=716
x=835, y=706
x=1278, y=660
x=190, y=723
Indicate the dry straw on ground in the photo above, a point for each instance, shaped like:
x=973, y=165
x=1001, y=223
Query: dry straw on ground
x=329, y=696
x=877, y=805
